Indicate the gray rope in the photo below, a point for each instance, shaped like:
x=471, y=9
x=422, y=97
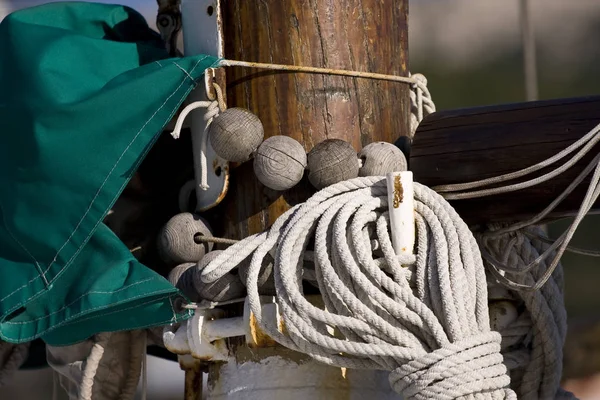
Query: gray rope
x=538, y=335
x=95, y=358
x=12, y=356
x=91, y=365
x=186, y=277
x=434, y=337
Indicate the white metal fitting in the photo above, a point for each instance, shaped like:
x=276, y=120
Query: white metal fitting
x=401, y=210
x=191, y=337
x=202, y=335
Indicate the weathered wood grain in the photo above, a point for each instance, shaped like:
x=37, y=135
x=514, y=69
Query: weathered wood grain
x=363, y=35
x=467, y=145
x=330, y=162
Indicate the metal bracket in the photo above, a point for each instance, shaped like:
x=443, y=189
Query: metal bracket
x=192, y=337
x=202, y=34
x=203, y=335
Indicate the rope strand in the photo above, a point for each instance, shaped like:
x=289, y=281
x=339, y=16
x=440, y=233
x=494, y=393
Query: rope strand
x=416, y=333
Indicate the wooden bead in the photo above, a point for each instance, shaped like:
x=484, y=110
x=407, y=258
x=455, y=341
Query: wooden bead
x=181, y=277
x=381, y=158
x=266, y=280
x=235, y=134
x=178, y=239
x=176, y=272
x=227, y=287
x=279, y=162
x=332, y=161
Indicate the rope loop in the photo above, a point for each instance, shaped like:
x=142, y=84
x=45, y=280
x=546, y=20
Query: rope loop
x=213, y=108
x=456, y=370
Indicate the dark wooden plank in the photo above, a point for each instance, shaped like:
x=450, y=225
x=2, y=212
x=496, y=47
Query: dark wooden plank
x=362, y=35
x=471, y=144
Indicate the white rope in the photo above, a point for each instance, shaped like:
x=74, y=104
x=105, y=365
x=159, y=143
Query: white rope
x=435, y=337
x=213, y=108
x=580, y=148
x=91, y=365
x=420, y=101
x=136, y=365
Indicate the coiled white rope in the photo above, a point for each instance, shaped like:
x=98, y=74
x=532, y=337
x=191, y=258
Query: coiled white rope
x=408, y=319
x=420, y=98
x=434, y=337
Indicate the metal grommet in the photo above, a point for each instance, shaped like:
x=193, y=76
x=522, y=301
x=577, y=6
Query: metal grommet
x=178, y=305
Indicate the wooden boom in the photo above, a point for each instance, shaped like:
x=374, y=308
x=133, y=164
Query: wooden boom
x=470, y=144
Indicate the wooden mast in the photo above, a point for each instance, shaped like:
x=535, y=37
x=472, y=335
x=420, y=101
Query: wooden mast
x=362, y=35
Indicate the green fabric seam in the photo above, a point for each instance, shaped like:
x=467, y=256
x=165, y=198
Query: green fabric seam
x=132, y=171
x=77, y=299
x=175, y=318
x=68, y=263
x=89, y=208
x=65, y=322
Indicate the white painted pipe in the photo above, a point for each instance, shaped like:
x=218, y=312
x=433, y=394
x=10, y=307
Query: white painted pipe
x=401, y=209
x=276, y=373
x=224, y=328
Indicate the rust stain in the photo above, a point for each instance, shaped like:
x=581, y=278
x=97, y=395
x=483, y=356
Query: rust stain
x=259, y=338
x=282, y=327
x=193, y=383
x=204, y=358
x=398, y=191
x=221, y=346
x=225, y=172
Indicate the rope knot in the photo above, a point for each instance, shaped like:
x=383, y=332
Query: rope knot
x=420, y=78
x=212, y=111
x=457, y=370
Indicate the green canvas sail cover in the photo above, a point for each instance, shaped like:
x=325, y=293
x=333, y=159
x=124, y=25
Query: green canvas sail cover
x=85, y=89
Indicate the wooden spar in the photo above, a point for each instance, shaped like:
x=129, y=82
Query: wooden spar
x=467, y=145
x=366, y=35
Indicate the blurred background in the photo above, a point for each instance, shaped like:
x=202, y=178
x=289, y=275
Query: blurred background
x=472, y=55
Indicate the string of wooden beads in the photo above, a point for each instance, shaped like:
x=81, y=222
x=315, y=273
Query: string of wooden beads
x=236, y=135
x=332, y=161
